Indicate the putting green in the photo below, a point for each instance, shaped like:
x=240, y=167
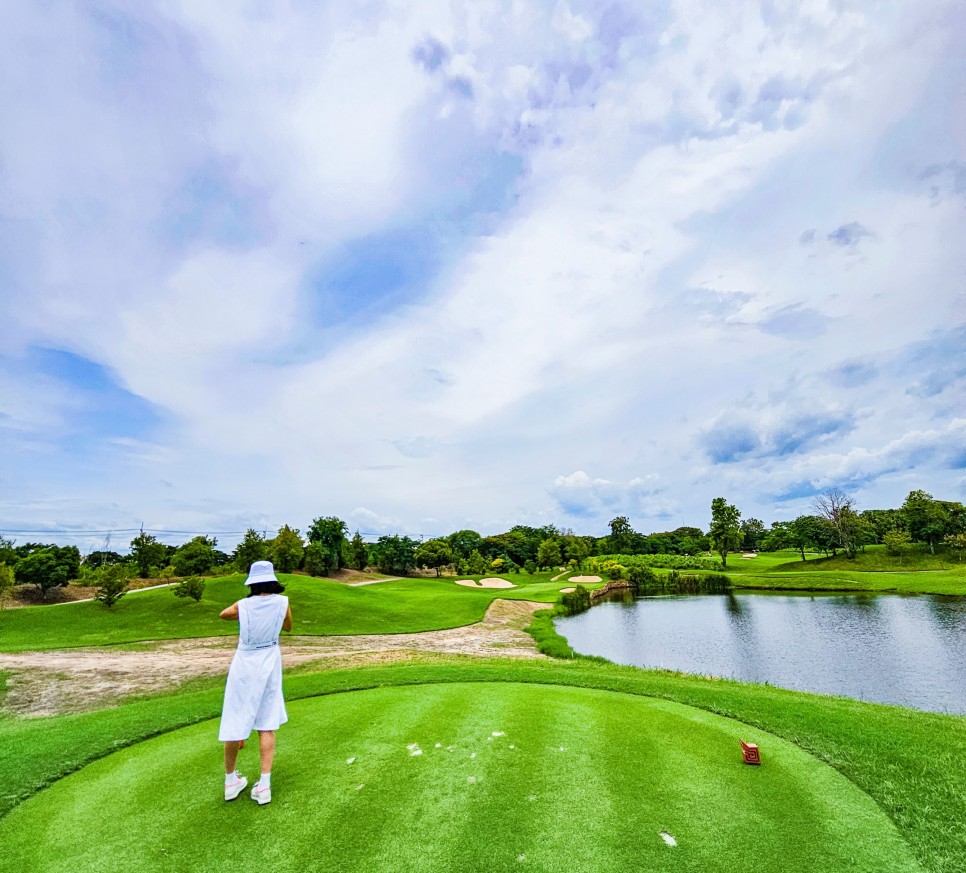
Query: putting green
x=507, y=777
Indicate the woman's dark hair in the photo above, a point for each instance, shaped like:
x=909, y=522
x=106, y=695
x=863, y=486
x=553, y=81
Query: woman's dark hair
x=265, y=588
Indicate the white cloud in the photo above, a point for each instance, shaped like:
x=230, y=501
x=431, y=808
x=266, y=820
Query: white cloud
x=663, y=157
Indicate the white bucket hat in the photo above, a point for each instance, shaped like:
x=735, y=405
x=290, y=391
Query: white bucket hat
x=261, y=571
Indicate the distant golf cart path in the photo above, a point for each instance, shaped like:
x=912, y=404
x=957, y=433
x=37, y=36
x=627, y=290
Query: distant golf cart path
x=73, y=680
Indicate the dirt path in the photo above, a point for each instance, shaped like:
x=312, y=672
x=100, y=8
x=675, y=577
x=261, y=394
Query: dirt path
x=54, y=682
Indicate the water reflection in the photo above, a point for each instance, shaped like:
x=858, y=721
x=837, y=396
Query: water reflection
x=890, y=649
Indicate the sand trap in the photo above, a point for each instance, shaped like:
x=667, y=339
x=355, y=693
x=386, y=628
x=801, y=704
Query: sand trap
x=491, y=582
x=584, y=580
x=567, y=590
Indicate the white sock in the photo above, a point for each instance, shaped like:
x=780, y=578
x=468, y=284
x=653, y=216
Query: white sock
x=231, y=777
x=266, y=780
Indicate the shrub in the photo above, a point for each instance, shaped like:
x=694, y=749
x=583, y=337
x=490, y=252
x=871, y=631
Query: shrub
x=575, y=601
x=112, y=584
x=613, y=570
x=190, y=586
x=715, y=583
x=641, y=575
x=167, y=572
x=530, y=567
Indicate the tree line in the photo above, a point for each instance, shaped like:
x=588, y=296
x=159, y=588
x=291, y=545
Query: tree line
x=834, y=526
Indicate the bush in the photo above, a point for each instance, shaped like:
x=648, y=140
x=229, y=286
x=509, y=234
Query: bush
x=530, y=567
x=613, y=570
x=575, y=601
x=641, y=575
x=167, y=572
x=112, y=583
x=676, y=562
x=190, y=586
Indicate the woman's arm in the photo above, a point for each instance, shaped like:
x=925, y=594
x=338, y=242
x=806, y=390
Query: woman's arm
x=230, y=614
x=287, y=621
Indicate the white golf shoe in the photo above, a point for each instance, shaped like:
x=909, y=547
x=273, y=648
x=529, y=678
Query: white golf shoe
x=262, y=794
x=233, y=789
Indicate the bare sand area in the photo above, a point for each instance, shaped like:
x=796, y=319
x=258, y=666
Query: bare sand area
x=567, y=590
x=49, y=683
x=490, y=582
x=584, y=580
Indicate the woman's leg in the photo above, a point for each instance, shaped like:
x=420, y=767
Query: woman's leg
x=231, y=755
x=266, y=748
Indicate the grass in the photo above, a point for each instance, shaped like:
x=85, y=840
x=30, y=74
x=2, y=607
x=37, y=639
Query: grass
x=909, y=763
x=872, y=570
x=320, y=607
x=506, y=773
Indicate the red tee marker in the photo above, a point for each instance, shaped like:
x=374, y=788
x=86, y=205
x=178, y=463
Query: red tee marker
x=241, y=745
x=749, y=752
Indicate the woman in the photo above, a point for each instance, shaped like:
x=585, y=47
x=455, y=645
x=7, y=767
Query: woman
x=253, y=694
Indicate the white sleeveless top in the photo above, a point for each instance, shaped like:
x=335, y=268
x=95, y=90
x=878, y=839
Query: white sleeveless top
x=260, y=620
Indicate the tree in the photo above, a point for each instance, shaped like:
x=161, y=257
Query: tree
x=195, y=557
x=575, y=549
x=7, y=582
x=927, y=519
x=396, y=554
x=319, y=560
x=358, y=553
x=49, y=567
x=287, y=550
x=102, y=559
x=725, y=532
x=435, y=554
x=476, y=564
x=112, y=584
x=329, y=533
x=8, y=554
x=463, y=542
x=620, y=534
x=190, y=586
x=251, y=549
x=548, y=553
x=957, y=542
x=836, y=507
x=897, y=543
x=883, y=521
x=752, y=533
x=147, y=553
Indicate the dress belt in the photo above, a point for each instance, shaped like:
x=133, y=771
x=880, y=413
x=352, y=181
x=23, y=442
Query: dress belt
x=247, y=647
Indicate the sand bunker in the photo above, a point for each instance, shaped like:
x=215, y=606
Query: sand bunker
x=584, y=580
x=486, y=583
x=567, y=590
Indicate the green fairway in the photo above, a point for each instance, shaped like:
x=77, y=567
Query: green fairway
x=320, y=606
x=508, y=777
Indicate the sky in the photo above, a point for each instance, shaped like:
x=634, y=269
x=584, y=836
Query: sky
x=431, y=266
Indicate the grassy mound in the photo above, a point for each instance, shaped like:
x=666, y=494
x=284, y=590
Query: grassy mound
x=872, y=570
x=320, y=606
x=508, y=776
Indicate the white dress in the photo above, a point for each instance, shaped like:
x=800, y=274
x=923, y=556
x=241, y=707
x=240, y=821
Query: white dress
x=253, y=693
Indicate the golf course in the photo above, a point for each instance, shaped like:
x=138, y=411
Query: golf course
x=405, y=751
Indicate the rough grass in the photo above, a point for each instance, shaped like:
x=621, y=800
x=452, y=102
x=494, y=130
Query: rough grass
x=502, y=768
x=320, y=607
x=909, y=762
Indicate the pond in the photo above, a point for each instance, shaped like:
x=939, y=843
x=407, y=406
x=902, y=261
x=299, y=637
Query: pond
x=895, y=649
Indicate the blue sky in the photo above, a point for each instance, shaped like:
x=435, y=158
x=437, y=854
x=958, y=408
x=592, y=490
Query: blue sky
x=432, y=266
